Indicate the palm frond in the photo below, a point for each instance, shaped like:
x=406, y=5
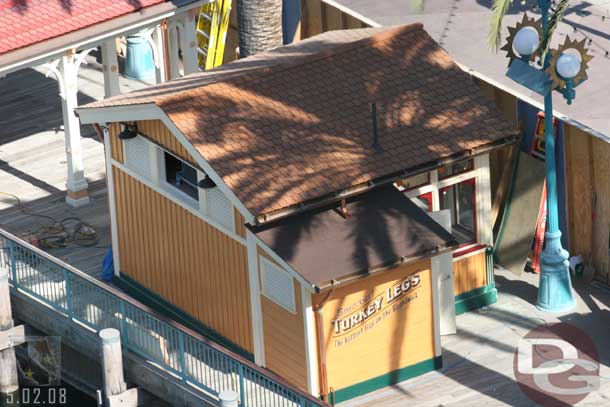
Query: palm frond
x=560, y=9
x=498, y=11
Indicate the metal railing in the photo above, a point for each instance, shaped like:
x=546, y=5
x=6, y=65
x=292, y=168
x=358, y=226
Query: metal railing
x=192, y=358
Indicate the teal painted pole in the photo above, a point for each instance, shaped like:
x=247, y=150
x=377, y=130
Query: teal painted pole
x=555, y=289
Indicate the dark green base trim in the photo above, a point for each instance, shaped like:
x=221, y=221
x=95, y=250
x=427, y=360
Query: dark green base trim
x=475, y=299
x=154, y=301
x=385, y=380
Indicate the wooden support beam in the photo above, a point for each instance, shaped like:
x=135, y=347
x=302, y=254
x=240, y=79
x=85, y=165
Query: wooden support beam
x=12, y=337
x=188, y=42
x=159, y=50
x=110, y=67
x=174, y=60
x=76, y=183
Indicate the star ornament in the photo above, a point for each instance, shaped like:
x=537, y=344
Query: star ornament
x=585, y=57
x=512, y=31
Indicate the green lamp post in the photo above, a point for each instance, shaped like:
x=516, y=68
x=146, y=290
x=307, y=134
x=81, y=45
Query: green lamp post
x=535, y=66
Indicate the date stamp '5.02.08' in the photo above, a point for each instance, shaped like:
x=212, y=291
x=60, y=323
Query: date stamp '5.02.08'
x=38, y=370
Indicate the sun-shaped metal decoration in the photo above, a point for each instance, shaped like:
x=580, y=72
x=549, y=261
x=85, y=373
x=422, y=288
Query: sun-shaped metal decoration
x=585, y=57
x=512, y=31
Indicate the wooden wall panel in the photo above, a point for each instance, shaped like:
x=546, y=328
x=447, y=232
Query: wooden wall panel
x=284, y=334
x=183, y=259
x=601, y=226
x=116, y=145
x=399, y=333
x=232, y=40
x=317, y=17
x=469, y=273
x=579, y=169
x=285, y=340
x=240, y=223
x=156, y=131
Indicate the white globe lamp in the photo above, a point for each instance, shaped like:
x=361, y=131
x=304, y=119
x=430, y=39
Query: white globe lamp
x=526, y=41
x=568, y=66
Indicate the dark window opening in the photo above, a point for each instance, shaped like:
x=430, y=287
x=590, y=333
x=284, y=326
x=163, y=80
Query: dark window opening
x=455, y=169
x=460, y=199
x=181, y=175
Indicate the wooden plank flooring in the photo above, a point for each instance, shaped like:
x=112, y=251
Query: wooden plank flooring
x=33, y=159
x=30, y=217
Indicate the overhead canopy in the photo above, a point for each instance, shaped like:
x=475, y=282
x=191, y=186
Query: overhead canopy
x=32, y=32
x=383, y=227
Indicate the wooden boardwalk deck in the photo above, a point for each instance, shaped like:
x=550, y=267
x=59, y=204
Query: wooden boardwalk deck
x=31, y=218
x=32, y=160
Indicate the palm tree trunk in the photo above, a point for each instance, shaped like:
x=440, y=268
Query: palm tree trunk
x=259, y=25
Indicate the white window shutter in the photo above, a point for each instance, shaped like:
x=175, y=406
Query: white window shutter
x=219, y=207
x=138, y=156
x=278, y=285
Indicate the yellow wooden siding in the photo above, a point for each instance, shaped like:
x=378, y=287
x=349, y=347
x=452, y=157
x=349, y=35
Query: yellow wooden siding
x=285, y=340
x=156, y=131
x=116, y=145
x=399, y=334
x=240, y=223
x=284, y=335
x=469, y=273
x=183, y=259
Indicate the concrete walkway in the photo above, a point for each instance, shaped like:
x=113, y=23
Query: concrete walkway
x=478, y=361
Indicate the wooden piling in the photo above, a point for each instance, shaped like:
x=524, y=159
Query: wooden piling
x=112, y=362
x=8, y=363
x=228, y=398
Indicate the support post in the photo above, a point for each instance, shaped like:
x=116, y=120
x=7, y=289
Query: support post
x=174, y=61
x=77, y=194
x=8, y=362
x=188, y=42
x=112, y=363
x=228, y=398
x=110, y=67
x=159, y=53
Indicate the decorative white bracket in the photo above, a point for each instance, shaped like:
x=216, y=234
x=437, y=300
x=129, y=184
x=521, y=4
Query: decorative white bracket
x=78, y=58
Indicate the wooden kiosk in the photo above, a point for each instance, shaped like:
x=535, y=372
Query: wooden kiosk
x=269, y=206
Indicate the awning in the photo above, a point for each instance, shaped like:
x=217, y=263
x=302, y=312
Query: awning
x=384, y=227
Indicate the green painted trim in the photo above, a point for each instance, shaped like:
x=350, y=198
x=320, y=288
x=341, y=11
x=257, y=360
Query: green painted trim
x=154, y=301
x=385, y=380
x=477, y=298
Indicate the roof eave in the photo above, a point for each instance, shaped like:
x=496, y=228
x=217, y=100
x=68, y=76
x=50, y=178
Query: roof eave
x=336, y=196
x=122, y=113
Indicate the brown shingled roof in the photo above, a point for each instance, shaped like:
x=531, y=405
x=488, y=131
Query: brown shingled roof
x=300, y=127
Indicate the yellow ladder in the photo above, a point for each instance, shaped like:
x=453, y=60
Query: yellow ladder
x=212, y=26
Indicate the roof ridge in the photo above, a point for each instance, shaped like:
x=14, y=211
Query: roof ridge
x=253, y=75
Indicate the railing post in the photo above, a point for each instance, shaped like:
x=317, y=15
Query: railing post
x=11, y=251
x=123, y=324
x=182, y=359
x=242, y=392
x=68, y=293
